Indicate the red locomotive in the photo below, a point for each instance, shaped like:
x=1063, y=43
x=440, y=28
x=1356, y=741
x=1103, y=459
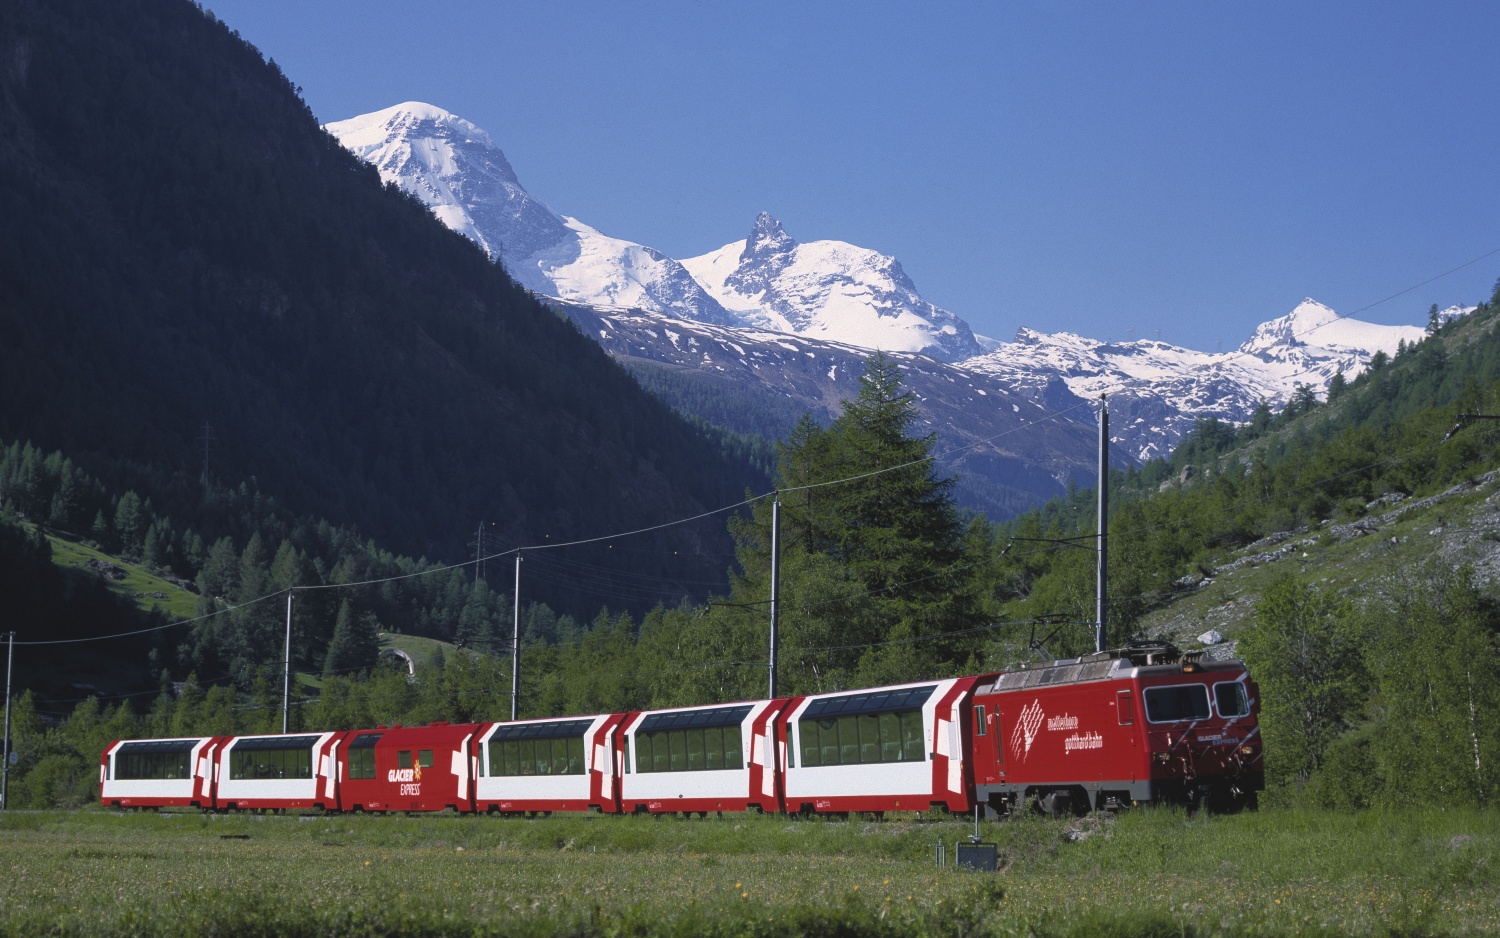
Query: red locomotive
x=1144, y=724
x=1141, y=725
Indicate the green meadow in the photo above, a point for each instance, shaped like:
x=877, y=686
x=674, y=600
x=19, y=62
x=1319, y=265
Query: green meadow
x=1153, y=872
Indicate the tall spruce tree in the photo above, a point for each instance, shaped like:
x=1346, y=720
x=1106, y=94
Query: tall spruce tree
x=354, y=645
x=873, y=560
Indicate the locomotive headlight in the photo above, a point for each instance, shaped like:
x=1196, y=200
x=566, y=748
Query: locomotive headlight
x=1162, y=758
x=1247, y=751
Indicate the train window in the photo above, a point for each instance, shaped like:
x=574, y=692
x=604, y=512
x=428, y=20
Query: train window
x=1231, y=699
x=362, y=763
x=403, y=759
x=869, y=737
x=713, y=748
x=913, y=741
x=862, y=739
x=848, y=740
x=1124, y=708
x=154, y=759
x=734, y=756
x=555, y=756
x=890, y=737
x=362, y=755
x=255, y=762
x=980, y=728
x=424, y=758
x=828, y=733
x=695, y=751
x=1177, y=703
x=688, y=750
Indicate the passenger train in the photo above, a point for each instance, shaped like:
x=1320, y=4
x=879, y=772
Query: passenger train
x=1140, y=725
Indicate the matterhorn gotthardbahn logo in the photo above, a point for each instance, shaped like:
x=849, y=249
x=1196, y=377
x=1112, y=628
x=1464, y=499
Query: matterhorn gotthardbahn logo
x=1030, y=723
x=1026, y=726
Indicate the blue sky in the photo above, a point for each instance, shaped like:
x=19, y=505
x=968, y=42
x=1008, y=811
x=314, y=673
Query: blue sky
x=1181, y=170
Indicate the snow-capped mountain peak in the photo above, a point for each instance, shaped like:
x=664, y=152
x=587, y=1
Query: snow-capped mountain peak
x=398, y=133
x=1313, y=325
x=456, y=169
x=767, y=240
x=829, y=290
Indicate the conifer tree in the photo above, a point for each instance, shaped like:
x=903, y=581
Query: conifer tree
x=873, y=550
x=354, y=645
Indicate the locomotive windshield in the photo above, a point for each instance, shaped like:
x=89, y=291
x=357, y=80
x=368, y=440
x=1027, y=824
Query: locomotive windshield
x=1174, y=704
x=1231, y=699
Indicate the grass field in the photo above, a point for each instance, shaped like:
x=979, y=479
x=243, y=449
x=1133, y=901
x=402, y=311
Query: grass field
x=1145, y=873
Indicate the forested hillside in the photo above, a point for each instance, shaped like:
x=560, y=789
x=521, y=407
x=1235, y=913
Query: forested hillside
x=200, y=289
x=1381, y=673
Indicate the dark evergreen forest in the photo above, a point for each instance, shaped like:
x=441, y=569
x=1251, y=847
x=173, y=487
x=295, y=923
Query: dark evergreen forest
x=207, y=301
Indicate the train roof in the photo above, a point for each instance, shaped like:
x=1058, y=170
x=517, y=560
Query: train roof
x=1138, y=659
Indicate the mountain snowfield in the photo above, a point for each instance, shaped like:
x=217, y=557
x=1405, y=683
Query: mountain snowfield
x=1156, y=391
x=839, y=293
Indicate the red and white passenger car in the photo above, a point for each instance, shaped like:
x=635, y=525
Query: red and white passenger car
x=159, y=773
x=275, y=772
x=701, y=759
x=407, y=768
x=899, y=748
x=541, y=766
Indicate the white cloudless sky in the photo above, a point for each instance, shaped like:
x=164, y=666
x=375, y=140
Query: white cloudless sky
x=1181, y=170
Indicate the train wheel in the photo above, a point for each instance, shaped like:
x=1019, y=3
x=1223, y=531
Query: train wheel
x=1060, y=801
